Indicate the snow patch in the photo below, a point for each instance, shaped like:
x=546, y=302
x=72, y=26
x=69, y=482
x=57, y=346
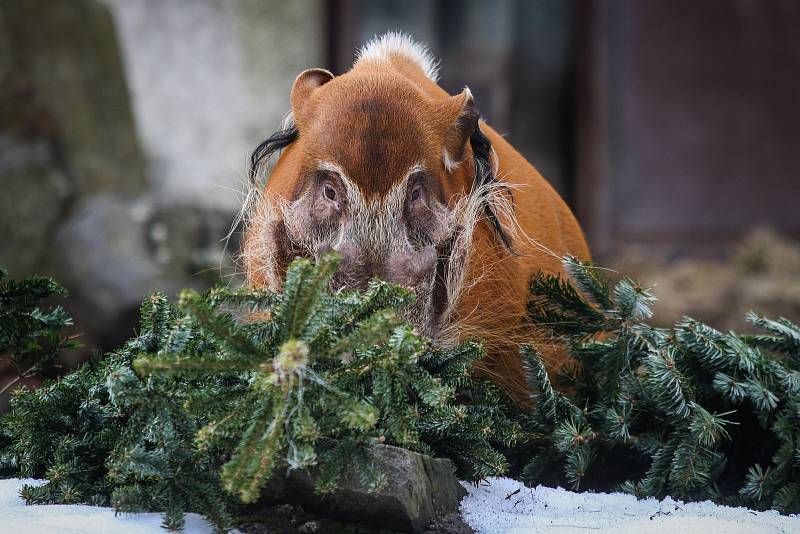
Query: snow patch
x=502, y=505
x=18, y=518
x=499, y=505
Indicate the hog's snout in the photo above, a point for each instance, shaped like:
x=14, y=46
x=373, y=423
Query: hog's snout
x=412, y=268
x=409, y=268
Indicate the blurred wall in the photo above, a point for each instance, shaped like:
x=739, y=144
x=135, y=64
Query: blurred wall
x=671, y=125
x=210, y=79
x=125, y=125
x=125, y=131
x=689, y=123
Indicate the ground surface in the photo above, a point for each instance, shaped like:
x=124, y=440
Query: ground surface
x=506, y=506
x=497, y=506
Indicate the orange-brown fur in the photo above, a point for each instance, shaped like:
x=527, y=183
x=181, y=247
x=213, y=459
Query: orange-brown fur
x=492, y=304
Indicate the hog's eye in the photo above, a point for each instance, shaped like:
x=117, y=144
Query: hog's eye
x=330, y=192
x=416, y=193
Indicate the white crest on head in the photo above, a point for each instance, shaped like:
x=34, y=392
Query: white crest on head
x=380, y=48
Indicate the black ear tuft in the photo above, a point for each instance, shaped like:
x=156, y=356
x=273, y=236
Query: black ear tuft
x=276, y=142
x=484, y=174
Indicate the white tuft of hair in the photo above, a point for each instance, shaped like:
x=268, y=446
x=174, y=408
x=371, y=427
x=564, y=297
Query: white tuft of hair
x=380, y=48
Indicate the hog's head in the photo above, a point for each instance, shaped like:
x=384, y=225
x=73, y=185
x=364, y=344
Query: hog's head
x=380, y=171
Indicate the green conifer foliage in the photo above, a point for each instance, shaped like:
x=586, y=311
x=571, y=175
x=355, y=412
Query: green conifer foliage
x=326, y=376
x=31, y=339
x=222, y=390
x=689, y=412
x=62, y=432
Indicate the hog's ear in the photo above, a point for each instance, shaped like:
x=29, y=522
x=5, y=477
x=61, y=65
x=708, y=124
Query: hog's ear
x=304, y=86
x=460, y=119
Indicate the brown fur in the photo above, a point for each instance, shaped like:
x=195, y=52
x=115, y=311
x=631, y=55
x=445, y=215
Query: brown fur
x=419, y=120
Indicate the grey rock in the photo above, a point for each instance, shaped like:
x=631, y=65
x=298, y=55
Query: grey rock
x=288, y=519
x=418, y=490
x=72, y=76
x=209, y=80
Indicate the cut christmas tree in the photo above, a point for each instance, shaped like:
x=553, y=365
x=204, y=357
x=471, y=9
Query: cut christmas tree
x=218, y=392
x=689, y=412
x=223, y=392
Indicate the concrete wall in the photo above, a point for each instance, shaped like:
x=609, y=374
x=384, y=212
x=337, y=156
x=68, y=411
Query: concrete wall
x=125, y=132
x=209, y=80
x=688, y=116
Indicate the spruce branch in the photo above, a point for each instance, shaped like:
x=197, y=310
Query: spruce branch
x=31, y=339
x=219, y=391
x=676, y=403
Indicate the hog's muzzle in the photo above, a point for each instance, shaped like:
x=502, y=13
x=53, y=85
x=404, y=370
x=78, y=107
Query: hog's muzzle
x=413, y=269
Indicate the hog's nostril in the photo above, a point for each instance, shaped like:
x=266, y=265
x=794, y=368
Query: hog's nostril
x=412, y=268
x=353, y=271
x=404, y=268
